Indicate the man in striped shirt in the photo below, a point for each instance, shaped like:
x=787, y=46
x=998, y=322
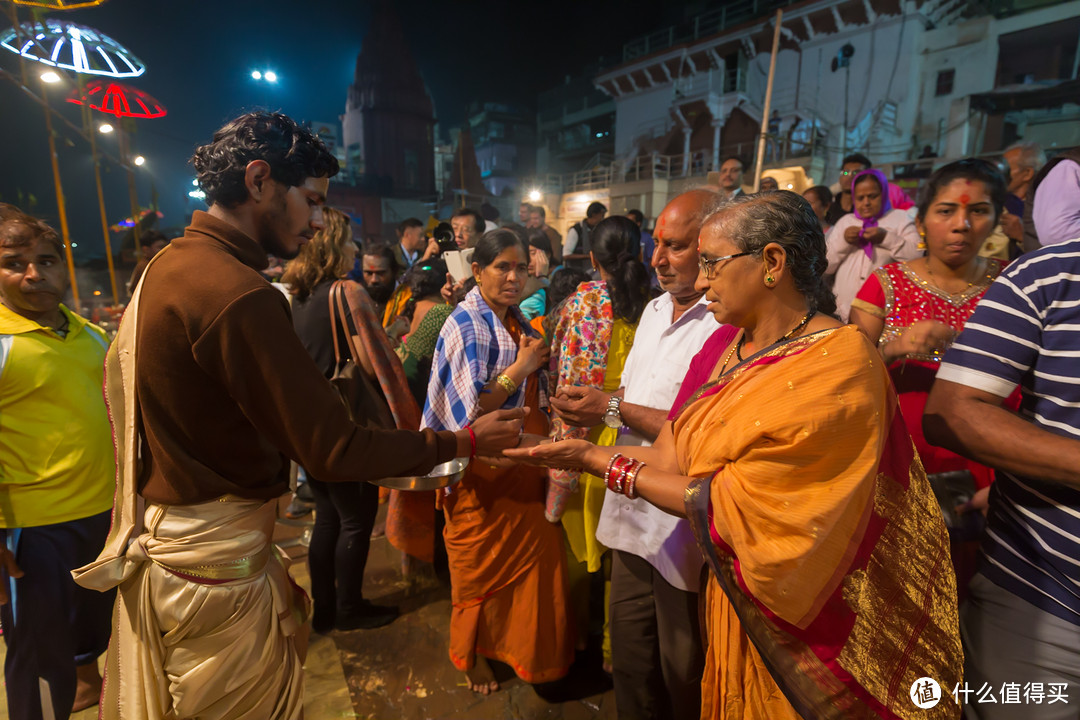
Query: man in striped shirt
x=1022, y=622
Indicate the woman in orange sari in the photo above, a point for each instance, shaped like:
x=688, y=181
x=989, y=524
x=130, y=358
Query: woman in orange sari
x=508, y=579
x=830, y=594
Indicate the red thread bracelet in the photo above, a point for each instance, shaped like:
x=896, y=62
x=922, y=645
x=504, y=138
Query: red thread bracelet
x=472, y=442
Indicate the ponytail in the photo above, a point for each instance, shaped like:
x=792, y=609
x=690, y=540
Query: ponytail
x=616, y=245
x=629, y=289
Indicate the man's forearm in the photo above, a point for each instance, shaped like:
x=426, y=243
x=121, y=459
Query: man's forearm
x=994, y=436
x=644, y=421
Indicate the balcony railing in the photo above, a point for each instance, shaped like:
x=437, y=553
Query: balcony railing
x=702, y=26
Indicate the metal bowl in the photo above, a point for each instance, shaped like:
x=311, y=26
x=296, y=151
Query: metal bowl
x=442, y=475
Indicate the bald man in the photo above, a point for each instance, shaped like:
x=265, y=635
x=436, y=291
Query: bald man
x=655, y=638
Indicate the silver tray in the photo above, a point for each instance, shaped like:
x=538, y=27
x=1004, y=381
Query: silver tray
x=442, y=475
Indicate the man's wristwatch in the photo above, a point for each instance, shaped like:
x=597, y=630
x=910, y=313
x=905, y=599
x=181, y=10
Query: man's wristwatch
x=612, y=416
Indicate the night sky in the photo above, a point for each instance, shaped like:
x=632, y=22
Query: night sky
x=199, y=58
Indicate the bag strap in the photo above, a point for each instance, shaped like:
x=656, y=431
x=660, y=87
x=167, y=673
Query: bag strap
x=335, y=295
x=352, y=338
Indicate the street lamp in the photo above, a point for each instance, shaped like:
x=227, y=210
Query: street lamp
x=50, y=76
x=268, y=75
x=105, y=128
x=139, y=160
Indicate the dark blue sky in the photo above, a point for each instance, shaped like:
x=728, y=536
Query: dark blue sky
x=199, y=57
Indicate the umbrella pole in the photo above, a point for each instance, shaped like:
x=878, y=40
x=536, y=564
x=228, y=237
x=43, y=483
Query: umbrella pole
x=125, y=158
x=100, y=194
x=61, y=206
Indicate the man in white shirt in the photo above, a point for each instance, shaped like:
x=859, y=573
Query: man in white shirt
x=656, y=566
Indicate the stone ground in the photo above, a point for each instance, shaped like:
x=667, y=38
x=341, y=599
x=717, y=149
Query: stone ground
x=402, y=670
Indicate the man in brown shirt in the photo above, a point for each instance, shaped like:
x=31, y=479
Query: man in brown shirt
x=223, y=396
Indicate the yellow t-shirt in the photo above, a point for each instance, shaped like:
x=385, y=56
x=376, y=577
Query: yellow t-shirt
x=56, y=449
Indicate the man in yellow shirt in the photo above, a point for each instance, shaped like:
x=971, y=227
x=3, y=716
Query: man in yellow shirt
x=56, y=478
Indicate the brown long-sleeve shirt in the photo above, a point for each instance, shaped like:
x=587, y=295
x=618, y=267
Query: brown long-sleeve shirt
x=227, y=392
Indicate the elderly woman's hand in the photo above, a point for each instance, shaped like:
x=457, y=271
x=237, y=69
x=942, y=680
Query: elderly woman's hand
x=564, y=455
x=851, y=234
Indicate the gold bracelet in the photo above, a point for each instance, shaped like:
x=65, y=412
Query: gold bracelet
x=506, y=384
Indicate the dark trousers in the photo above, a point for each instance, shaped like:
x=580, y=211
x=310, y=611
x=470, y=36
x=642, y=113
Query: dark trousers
x=656, y=650
x=344, y=516
x=51, y=624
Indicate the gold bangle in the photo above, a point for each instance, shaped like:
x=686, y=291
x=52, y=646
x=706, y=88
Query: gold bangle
x=506, y=384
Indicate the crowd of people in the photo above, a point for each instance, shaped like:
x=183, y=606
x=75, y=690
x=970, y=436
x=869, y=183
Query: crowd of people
x=749, y=453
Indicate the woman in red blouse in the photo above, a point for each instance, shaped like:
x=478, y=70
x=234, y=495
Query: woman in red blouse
x=914, y=309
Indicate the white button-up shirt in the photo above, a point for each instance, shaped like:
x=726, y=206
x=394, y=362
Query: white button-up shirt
x=653, y=374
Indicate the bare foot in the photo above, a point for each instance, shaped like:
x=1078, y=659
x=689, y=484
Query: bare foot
x=480, y=678
x=87, y=687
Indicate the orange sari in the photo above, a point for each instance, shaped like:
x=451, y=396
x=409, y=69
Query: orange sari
x=831, y=591
x=508, y=579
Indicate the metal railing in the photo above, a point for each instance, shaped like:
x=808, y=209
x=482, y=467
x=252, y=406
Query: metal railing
x=704, y=25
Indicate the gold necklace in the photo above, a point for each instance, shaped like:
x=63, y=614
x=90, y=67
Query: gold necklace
x=786, y=336
x=727, y=358
x=934, y=282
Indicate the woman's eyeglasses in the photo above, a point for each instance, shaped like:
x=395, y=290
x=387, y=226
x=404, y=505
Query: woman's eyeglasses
x=709, y=266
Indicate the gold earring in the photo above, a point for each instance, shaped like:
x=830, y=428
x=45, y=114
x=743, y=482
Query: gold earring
x=922, y=240
x=769, y=279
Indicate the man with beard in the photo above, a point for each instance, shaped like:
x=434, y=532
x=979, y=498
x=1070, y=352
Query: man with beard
x=211, y=394
x=56, y=478
x=380, y=269
x=656, y=650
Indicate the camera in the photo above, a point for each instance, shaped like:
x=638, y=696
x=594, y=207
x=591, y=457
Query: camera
x=444, y=236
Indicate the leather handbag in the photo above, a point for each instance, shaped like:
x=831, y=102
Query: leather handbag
x=363, y=399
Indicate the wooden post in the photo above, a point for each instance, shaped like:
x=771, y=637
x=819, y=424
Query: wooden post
x=768, y=103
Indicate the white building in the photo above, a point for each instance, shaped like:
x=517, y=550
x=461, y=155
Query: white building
x=687, y=97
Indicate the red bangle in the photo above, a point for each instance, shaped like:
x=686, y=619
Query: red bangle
x=617, y=476
x=615, y=460
x=472, y=442
x=631, y=483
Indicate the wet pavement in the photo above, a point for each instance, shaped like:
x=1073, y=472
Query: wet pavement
x=402, y=670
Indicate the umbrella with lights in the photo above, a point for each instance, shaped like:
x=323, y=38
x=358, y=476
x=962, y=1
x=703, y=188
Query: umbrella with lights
x=66, y=45
x=119, y=100
x=59, y=4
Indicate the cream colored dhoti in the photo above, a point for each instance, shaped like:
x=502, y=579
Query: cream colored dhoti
x=207, y=623
x=206, y=618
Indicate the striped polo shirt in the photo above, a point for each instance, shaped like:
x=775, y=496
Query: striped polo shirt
x=1026, y=331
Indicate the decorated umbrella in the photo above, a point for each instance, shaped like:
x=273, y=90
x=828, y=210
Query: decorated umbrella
x=62, y=44
x=118, y=99
x=59, y=4
x=66, y=45
x=123, y=101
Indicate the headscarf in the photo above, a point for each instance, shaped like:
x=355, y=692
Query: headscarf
x=886, y=206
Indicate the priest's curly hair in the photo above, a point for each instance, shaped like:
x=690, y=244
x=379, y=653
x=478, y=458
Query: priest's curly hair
x=293, y=152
